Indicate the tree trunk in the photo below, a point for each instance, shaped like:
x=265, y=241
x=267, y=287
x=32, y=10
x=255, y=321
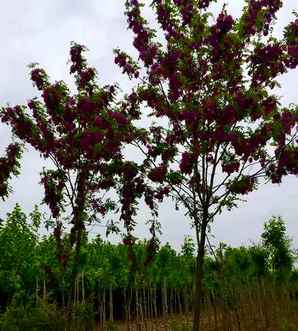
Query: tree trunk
x=154, y=302
x=78, y=221
x=75, y=292
x=186, y=300
x=137, y=304
x=171, y=303
x=44, y=289
x=145, y=307
x=125, y=305
x=129, y=303
x=197, y=302
x=104, y=306
x=83, y=289
x=63, y=292
x=111, y=312
x=37, y=289
x=150, y=302
x=179, y=302
x=78, y=288
x=164, y=298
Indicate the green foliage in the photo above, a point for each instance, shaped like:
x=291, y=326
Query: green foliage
x=277, y=244
x=30, y=269
x=83, y=317
x=18, y=259
x=180, y=327
x=110, y=326
x=287, y=326
x=31, y=317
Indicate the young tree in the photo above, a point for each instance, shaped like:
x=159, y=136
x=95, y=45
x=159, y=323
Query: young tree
x=18, y=255
x=82, y=133
x=277, y=244
x=220, y=130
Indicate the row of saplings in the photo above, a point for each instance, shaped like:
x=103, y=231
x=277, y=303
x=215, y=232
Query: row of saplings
x=36, y=292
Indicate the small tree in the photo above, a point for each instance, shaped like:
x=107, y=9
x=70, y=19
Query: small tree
x=220, y=129
x=82, y=134
x=18, y=255
x=277, y=244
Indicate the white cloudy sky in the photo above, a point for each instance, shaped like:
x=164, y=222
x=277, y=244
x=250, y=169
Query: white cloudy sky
x=41, y=31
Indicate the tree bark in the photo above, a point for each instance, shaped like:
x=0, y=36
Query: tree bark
x=78, y=221
x=164, y=298
x=37, y=289
x=197, y=302
x=137, y=303
x=179, y=301
x=125, y=305
x=104, y=306
x=154, y=302
x=44, y=289
x=111, y=312
x=83, y=288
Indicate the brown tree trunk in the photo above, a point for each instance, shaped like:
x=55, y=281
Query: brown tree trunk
x=197, y=301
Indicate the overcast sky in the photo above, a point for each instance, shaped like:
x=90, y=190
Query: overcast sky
x=41, y=31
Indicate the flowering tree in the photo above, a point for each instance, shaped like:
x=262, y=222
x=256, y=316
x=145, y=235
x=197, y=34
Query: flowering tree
x=82, y=134
x=210, y=82
x=9, y=165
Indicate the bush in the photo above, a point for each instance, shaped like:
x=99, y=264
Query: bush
x=83, y=317
x=40, y=317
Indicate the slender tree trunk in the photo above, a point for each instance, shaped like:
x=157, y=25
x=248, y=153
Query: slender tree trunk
x=154, y=302
x=129, y=304
x=141, y=305
x=179, y=293
x=111, y=303
x=63, y=292
x=75, y=292
x=164, y=298
x=83, y=288
x=150, y=302
x=104, y=306
x=171, y=303
x=77, y=299
x=197, y=302
x=145, y=307
x=37, y=289
x=186, y=300
x=44, y=289
x=125, y=305
x=78, y=222
x=137, y=304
